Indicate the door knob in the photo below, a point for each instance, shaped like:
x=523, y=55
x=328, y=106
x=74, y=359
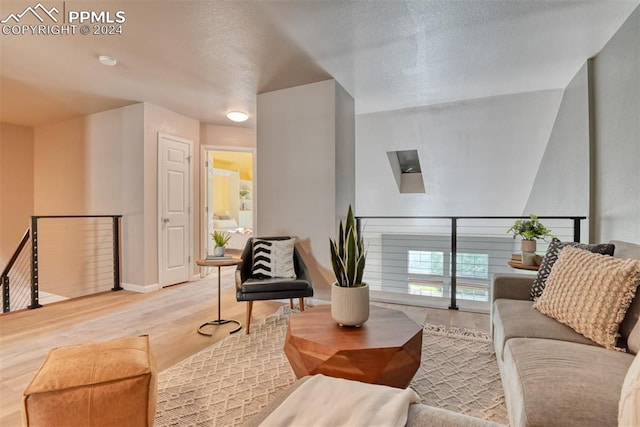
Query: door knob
x=165, y=220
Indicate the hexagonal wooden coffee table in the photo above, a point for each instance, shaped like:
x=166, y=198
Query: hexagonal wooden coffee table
x=385, y=350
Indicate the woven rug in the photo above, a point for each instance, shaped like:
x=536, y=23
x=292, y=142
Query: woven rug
x=227, y=383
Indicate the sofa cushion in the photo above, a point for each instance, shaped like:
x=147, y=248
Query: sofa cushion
x=551, y=382
x=590, y=293
x=274, y=285
x=518, y=319
x=552, y=256
x=629, y=407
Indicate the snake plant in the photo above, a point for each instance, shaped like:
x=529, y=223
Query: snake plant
x=348, y=255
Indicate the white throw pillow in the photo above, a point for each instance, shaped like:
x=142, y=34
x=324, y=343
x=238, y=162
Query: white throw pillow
x=273, y=258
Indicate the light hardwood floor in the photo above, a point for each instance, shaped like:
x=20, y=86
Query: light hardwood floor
x=169, y=316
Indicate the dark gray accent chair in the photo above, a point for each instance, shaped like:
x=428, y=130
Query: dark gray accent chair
x=252, y=289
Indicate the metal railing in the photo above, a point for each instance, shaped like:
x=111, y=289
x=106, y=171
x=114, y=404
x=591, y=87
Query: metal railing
x=433, y=260
x=16, y=294
x=79, y=256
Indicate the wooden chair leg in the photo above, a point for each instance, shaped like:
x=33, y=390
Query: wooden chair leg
x=301, y=304
x=247, y=322
x=291, y=303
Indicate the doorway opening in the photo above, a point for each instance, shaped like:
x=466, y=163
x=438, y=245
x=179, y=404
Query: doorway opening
x=229, y=200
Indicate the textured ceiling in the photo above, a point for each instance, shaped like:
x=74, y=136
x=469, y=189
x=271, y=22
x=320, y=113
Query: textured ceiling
x=204, y=58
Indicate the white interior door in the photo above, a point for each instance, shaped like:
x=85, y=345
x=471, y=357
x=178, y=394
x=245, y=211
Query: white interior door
x=174, y=207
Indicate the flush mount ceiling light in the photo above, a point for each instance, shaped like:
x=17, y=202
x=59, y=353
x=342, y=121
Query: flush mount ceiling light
x=107, y=60
x=237, y=116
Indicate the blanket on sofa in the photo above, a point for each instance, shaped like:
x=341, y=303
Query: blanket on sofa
x=351, y=403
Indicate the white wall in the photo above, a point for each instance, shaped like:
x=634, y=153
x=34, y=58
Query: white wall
x=93, y=166
x=478, y=157
x=301, y=130
x=590, y=166
x=561, y=187
x=345, y=157
x=616, y=97
x=16, y=187
x=227, y=136
x=106, y=163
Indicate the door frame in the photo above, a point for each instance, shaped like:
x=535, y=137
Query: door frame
x=159, y=194
x=204, y=226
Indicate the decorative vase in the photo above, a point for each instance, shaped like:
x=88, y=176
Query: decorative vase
x=350, y=306
x=528, y=252
x=218, y=251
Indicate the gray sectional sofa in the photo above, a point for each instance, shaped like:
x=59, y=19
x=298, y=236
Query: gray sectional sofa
x=552, y=375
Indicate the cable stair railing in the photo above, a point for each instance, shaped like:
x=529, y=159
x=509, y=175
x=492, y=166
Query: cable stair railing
x=78, y=254
x=16, y=282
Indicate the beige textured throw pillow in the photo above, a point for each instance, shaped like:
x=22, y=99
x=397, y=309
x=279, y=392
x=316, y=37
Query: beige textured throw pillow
x=590, y=293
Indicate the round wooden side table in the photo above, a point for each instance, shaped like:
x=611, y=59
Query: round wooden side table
x=219, y=321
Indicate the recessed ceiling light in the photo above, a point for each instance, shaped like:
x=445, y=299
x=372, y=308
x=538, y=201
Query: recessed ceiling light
x=107, y=60
x=237, y=116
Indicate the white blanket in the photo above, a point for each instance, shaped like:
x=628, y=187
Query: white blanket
x=332, y=402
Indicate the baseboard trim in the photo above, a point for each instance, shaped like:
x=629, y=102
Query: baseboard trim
x=143, y=289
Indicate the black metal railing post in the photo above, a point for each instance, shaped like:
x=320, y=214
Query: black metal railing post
x=35, y=299
x=576, y=229
x=6, y=306
x=116, y=254
x=454, y=262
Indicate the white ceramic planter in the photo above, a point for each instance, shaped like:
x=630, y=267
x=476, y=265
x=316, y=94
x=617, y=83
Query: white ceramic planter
x=350, y=306
x=218, y=251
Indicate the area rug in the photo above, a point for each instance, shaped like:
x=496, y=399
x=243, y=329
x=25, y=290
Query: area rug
x=229, y=382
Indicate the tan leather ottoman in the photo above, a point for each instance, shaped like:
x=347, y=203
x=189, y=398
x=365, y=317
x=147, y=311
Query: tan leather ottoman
x=110, y=383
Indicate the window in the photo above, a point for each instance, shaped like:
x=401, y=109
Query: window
x=432, y=263
x=472, y=268
x=472, y=265
x=426, y=262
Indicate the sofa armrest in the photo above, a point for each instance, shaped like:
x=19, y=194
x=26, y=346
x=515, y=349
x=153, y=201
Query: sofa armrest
x=511, y=286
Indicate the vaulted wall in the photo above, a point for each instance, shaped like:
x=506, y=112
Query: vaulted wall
x=478, y=157
x=590, y=165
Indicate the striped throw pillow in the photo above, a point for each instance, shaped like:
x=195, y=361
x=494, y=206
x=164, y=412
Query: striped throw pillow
x=273, y=258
